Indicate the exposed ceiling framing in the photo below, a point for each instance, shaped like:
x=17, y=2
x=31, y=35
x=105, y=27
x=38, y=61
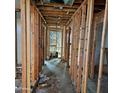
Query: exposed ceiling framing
x=56, y=12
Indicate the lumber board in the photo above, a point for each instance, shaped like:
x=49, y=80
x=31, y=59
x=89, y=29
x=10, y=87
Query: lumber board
x=81, y=42
x=28, y=44
x=87, y=44
x=25, y=20
x=23, y=46
x=33, y=44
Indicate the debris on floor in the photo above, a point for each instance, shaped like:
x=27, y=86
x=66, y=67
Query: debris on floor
x=55, y=78
x=43, y=81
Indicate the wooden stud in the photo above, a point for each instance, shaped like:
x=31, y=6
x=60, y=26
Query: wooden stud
x=62, y=44
x=72, y=54
x=40, y=14
x=37, y=44
x=87, y=47
x=28, y=44
x=80, y=54
x=48, y=41
x=64, y=29
x=68, y=45
x=23, y=46
x=43, y=32
x=16, y=43
x=58, y=5
x=25, y=20
x=102, y=47
x=33, y=44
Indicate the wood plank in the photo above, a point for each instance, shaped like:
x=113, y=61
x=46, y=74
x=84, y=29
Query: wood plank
x=35, y=33
x=58, y=5
x=64, y=29
x=87, y=43
x=62, y=44
x=40, y=44
x=40, y=14
x=68, y=46
x=56, y=9
x=36, y=44
x=28, y=44
x=48, y=42
x=33, y=44
x=72, y=56
x=80, y=54
x=102, y=47
x=25, y=20
x=52, y=13
x=16, y=43
x=23, y=46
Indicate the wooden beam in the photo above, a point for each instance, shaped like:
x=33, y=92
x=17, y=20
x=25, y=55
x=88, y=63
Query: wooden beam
x=28, y=44
x=36, y=53
x=48, y=41
x=40, y=13
x=25, y=20
x=23, y=46
x=37, y=39
x=16, y=43
x=102, y=47
x=59, y=5
x=68, y=46
x=72, y=54
x=54, y=24
x=90, y=10
x=62, y=44
x=56, y=9
x=55, y=13
x=54, y=18
x=56, y=21
x=33, y=43
x=81, y=43
x=64, y=29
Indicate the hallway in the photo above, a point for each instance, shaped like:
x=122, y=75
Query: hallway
x=59, y=79
x=61, y=46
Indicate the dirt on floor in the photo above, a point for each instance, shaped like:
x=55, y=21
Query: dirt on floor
x=57, y=78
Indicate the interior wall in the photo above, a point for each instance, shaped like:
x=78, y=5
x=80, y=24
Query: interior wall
x=37, y=43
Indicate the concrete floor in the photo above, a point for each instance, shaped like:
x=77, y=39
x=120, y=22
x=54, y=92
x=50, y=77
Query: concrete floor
x=18, y=86
x=59, y=78
x=60, y=81
x=92, y=85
